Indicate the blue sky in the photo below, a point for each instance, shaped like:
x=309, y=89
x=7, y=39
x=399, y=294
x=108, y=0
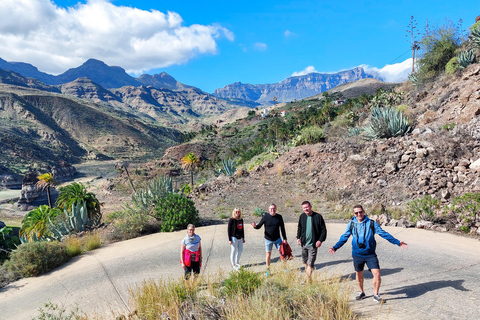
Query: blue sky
x=210, y=44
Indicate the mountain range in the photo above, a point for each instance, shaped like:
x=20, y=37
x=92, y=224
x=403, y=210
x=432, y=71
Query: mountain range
x=99, y=111
x=292, y=88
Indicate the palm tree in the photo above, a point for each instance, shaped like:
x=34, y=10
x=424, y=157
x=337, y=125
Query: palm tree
x=45, y=182
x=190, y=162
x=35, y=225
x=74, y=194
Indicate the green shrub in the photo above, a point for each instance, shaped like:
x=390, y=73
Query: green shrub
x=467, y=208
x=439, y=47
x=424, y=209
x=176, y=212
x=386, y=123
x=36, y=258
x=452, y=66
x=9, y=240
x=51, y=311
x=258, y=212
x=310, y=135
x=242, y=282
x=186, y=189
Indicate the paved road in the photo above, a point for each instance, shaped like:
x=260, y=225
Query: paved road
x=436, y=278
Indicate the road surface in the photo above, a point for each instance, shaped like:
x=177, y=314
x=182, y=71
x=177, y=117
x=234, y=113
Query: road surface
x=437, y=277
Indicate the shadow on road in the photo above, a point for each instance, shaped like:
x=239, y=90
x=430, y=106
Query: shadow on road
x=368, y=275
x=416, y=290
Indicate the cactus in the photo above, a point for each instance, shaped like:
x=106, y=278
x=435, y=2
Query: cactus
x=465, y=58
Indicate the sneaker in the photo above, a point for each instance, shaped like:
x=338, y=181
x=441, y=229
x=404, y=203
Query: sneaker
x=267, y=273
x=360, y=296
x=237, y=266
x=377, y=298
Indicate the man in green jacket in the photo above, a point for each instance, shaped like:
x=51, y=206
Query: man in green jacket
x=311, y=233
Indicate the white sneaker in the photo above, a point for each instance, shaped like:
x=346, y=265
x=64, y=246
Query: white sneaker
x=237, y=266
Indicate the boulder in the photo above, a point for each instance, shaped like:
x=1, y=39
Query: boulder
x=422, y=224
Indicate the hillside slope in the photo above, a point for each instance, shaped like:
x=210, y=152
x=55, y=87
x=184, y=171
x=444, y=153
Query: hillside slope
x=41, y=127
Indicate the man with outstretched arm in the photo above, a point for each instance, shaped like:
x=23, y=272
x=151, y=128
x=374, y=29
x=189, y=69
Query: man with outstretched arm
x=311, y=233
x=363, y=248
x=273, y=225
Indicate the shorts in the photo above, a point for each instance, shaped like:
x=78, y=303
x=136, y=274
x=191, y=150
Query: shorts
x=269, y=244
x=371, y=261
x=309, y=255
x=194, y=266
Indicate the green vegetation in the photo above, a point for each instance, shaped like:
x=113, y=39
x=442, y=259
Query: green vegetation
x=258, y=212
x=424, y=209
x=190, y=162
x=35, y=258
x=387, y=123
x=176, y=212
x=241, y=282
x=76, y=194
x=310, y=135
x=228, y=167
x=465, y=58
x=439, y=47
x=245, y=294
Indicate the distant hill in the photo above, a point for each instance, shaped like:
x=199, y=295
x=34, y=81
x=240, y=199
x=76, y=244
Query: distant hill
x=42, y=127
x=292, y=88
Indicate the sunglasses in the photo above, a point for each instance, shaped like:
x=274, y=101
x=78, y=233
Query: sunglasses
x=358, y=212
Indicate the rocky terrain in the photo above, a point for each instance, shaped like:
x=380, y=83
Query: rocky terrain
x=440, y=158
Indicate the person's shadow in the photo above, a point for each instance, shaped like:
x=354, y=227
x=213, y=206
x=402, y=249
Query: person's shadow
x=416, y=290
x=369, y=275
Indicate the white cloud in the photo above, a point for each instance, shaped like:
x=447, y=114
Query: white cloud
x=307, y=70
x=288, y=34
x=260, y=46
x=391, y=72
x=55, y=39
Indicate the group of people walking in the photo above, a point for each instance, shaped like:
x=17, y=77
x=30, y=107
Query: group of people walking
x=311, y=234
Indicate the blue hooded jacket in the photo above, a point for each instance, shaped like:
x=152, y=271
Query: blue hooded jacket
x=363, y=233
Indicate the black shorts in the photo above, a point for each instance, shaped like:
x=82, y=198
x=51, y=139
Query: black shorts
x=309, y=255
x=371, y=261
x=194, y=266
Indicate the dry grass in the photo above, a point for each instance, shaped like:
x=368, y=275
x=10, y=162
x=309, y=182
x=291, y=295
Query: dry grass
x=283, y=295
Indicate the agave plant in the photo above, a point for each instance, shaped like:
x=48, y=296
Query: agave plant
x=146, y=198
x=465, y=58
x=475, y=37
x=228, y=167
x=75, y=194
x=387, y=123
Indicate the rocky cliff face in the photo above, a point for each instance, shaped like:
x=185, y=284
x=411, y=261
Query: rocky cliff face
x=292, y=88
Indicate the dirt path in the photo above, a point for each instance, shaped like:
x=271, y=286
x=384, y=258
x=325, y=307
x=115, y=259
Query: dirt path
x=436, y=278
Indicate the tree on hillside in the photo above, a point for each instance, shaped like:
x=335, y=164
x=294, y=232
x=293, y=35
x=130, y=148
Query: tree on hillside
x=190, y=162
x=45, y=182
x=438, y=47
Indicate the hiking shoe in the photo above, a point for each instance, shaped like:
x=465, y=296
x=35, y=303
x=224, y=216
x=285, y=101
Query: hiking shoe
x=360, y=296
x=377, y=298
